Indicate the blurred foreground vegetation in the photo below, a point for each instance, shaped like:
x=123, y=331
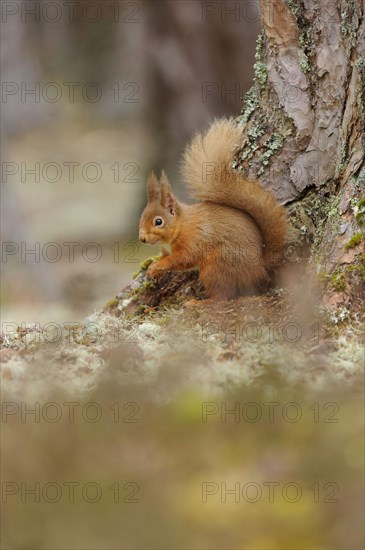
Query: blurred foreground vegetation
x=167, y=459
x=174, y=435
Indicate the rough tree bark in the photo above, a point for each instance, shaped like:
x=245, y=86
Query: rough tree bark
x=303, y=136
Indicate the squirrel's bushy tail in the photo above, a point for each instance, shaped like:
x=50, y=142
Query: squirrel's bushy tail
x=207, y=170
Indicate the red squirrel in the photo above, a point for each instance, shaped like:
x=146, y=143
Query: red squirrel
x=235, y=235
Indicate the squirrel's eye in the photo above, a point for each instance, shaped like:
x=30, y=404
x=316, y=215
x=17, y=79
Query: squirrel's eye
x=158, y=222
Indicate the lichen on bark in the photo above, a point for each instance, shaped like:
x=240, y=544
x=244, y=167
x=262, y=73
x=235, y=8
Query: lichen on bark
x=303, y=136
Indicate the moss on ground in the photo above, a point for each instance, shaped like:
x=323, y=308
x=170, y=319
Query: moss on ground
x=354, y=241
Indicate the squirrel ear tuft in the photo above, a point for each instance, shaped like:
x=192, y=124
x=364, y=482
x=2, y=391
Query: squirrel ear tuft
x=153, y=188
x=167, y=196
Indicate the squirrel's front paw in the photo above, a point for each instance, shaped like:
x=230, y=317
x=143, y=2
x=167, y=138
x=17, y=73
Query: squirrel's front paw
x=154, y=271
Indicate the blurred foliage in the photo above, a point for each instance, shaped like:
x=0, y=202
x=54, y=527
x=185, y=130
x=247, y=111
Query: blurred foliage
x=170, y=453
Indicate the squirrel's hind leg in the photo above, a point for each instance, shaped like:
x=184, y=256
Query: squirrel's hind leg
x=218, y=282
x=217, y=292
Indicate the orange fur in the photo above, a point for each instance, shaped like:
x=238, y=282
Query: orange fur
x=235, y=235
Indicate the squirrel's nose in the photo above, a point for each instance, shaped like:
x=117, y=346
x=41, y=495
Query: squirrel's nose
x=142, y=239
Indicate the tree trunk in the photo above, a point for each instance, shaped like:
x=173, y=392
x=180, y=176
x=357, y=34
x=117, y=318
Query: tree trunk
x=303, y=137
x=303, y=126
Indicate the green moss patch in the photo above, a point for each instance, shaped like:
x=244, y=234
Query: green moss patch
x=354, y=241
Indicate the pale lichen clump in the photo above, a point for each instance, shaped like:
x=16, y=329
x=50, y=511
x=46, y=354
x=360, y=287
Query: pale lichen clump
x=261, y=111
x=169, y=352
x=272, y=146
x=349, y=22
x=304, y=62
x=260, y=65
x=359, y=212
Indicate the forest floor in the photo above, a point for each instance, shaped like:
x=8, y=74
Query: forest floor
x=163, y=401
x=145, y=335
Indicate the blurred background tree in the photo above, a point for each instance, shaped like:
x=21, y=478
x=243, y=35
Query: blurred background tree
x=180, y=63
x=163, y=70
